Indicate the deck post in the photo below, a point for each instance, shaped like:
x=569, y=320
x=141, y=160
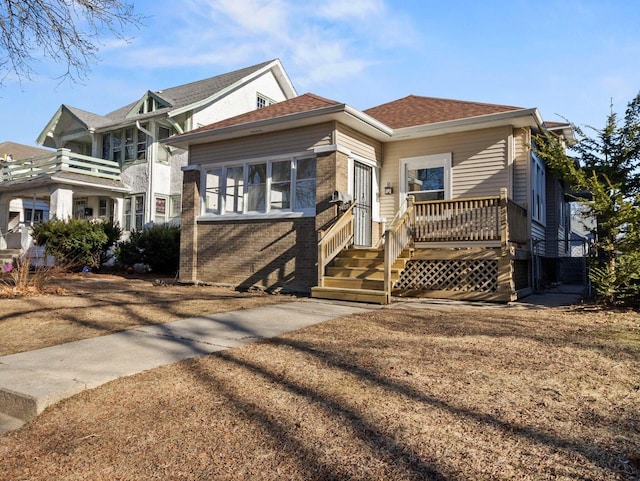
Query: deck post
x=504, y=222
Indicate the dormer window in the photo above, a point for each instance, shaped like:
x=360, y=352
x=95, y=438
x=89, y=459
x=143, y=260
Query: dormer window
x=149, y=103
x=263, y=101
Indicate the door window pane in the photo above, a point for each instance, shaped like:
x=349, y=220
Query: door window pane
x=427, y=183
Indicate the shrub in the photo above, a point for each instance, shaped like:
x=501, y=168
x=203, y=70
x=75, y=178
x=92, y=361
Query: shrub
x=618, y=283
x=158, y=247
x=113, y=232
x=76, y=242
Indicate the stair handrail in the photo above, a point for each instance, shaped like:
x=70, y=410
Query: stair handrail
x=332, y=241
x=396, y=239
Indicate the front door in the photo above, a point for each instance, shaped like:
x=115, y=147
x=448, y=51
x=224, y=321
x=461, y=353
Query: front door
x=362, y=178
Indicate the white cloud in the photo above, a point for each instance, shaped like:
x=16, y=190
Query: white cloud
x=348, y=10
x=325, y=43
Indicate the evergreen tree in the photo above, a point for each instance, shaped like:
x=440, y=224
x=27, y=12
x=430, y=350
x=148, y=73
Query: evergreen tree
x=607, y=168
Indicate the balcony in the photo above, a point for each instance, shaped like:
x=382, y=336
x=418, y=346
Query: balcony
x=62, y=160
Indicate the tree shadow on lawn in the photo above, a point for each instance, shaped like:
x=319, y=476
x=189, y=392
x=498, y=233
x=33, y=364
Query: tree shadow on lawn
x=505, y=324
x=406, y=462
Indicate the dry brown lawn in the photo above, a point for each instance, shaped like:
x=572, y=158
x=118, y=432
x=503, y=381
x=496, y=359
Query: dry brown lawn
x=392, y=394
x=83, y=306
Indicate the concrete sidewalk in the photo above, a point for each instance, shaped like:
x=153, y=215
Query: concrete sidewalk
x=31, y=381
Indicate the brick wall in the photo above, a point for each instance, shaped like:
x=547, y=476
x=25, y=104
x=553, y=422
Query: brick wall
x=269, y=253
x=266, y=253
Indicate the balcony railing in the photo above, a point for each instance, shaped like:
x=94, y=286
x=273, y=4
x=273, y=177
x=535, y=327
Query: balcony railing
x=62, y=160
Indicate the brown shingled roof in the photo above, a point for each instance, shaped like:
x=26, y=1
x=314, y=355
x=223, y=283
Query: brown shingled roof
x=303, y=103
x=414, y=110
x=21, y=151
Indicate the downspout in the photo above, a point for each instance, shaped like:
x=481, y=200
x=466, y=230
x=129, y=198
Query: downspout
x=149, y=200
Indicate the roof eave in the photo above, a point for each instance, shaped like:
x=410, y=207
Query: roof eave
x=517, y=118
x=340, y=112
x=54, y=120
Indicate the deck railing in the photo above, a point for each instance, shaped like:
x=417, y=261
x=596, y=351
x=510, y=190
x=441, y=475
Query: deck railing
x=63, y=160
x=339, y=236
x=476, y=219
x=396, y=239
x=458, y=220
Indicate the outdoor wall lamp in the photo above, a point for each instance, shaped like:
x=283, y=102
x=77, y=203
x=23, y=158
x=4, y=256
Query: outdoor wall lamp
x=388, y=190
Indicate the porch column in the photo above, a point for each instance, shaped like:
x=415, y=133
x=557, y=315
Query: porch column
x=4, y=219
x=61, y=203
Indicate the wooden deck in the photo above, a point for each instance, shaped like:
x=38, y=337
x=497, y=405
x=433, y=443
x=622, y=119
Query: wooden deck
x=460, y=248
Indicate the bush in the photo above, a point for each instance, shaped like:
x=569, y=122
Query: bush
x=114, y=232
x=618, y=283
x=74, y=242
x=158, y=247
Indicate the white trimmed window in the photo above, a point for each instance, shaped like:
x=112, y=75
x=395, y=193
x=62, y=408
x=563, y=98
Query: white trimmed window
x=134, y=212
x=268, y=187
x=125, y=145
x=263, y=101
x=427, y=177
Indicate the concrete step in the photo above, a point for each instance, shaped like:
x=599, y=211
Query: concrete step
x=357, y=295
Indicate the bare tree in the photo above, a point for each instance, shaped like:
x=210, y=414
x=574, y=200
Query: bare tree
x=67, y=31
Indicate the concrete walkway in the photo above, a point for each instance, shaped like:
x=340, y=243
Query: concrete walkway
x=31, y=381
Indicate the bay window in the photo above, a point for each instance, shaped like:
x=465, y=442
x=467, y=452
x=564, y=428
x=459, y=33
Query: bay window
x=269, y=187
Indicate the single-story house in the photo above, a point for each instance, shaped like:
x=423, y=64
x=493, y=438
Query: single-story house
x=419, y=196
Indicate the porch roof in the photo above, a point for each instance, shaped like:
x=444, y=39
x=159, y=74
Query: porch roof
x=21, y=151
x=42, y=184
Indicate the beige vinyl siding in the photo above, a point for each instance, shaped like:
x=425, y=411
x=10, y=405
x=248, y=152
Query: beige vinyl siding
x=296, y=140
x=479, y=163
x=521, y=167
x=358, y=143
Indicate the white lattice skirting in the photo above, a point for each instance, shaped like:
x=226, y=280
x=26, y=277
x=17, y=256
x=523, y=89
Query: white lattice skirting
x=475, y=275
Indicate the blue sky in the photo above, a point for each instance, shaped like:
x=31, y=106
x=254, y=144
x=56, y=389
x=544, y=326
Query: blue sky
x=569, y=58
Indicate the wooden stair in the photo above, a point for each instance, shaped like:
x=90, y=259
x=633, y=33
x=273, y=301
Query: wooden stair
x=357, y=274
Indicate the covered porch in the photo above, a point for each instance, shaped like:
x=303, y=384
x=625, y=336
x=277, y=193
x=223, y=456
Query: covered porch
x=68, y=184
x=467, y=248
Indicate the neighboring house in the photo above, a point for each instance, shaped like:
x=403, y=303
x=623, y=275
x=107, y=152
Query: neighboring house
x=449, y=199
x=114, y=166
x=22, y=212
